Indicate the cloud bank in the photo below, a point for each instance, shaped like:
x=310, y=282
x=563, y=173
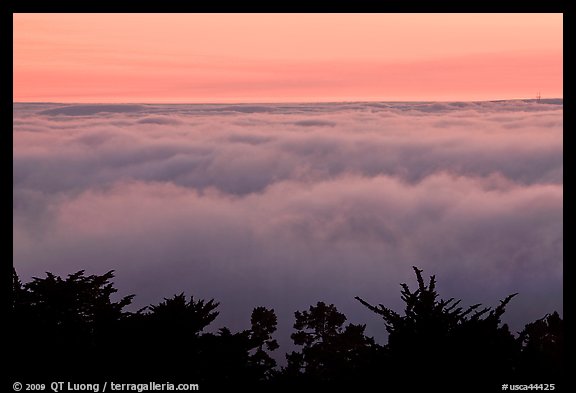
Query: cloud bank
x=285, y=205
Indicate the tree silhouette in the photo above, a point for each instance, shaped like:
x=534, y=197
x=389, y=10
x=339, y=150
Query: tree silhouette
x=331, y=352
x=227, y=358
x=263, y=324
x=75, y=316
x=542, y=347
x=17, y=287
x=71, y=327
x=176, y=314
x=434, y=336
x=170, y=331
x=19, y=300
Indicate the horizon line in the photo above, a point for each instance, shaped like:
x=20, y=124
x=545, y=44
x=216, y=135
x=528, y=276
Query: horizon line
x=284, y=102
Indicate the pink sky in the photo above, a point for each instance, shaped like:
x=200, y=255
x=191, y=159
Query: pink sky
x=192, y=58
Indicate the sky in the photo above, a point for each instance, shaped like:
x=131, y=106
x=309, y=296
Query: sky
x=283, y=159
x=235, y=58
x=284, y=205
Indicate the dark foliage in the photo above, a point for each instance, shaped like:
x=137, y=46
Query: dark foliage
x=74, y=317
x=435, y=337
x=72, y=327
x=263, y=325
x=332, y=353
x=542, y=347
x=330, y=350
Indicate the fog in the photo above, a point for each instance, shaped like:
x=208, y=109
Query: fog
x=285, y=205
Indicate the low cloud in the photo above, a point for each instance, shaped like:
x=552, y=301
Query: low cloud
x=285, y=205
x=314, y=123
x=86, y=110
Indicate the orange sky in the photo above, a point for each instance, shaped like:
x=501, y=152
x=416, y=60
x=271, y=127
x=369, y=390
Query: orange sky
x=285, y=57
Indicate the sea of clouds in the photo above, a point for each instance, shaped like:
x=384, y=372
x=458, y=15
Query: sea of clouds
x=283, y=205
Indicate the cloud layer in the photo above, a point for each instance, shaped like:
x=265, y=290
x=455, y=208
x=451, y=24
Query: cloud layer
x=285, y=205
